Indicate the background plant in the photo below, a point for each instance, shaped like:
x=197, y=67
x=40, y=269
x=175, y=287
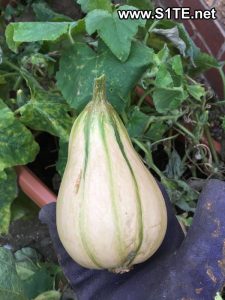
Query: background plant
x=153, y=72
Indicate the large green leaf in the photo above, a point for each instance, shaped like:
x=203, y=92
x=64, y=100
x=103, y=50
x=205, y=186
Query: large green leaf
x=8, y=192
x=45, y=111
x=163, y=77
x=80, y=65
x=137, y=123
x=62, y=157
x=11, y=287
x=17, y=33
x=49, y=295
x=172, y=34
x=197, y=91
x=181, y=194
x=44, y=13
x=17, y=143
x=88, y=5
x=23, y=208
x=144, y=4
x=36, y=277
x=116, y=33
x=167, y=99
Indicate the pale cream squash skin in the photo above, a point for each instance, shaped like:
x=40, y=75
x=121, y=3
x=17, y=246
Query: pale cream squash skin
x=110, y=211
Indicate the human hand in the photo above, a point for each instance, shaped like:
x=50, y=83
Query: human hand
x=182, y=269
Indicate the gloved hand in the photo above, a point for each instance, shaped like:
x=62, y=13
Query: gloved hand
x=182, y=269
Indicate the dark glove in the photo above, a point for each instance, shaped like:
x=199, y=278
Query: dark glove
x=182, y=269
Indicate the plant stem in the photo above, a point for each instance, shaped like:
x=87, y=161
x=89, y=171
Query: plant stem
x=222, y=77
x=222, y=102
x=143, y=97
x=185, y=130
x=124, y=117
x=191, y=79
x=149, y=158
x=9, y=74
x=165, y=139
x=211, y=145
x=70, y=36
x=17, y=83
x=149, y=31
x=11, y=65
x=160, y=119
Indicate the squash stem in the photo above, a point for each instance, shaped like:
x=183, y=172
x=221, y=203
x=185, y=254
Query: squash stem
x=99, y=91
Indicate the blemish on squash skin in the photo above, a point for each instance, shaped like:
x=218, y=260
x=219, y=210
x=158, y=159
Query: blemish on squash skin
x=221, y=263
x=208, y=205
x=77, y=183
x=198, y=291
x=209, y=272
x=216, y=232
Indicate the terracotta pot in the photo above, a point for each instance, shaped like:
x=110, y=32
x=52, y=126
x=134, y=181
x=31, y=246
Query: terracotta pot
x=33, y=187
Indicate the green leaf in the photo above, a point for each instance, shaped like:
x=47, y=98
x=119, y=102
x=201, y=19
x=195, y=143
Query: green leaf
x=163, y=77
x=167, y=99
x=196, y=91
x=116, y=33
x=45, y=111
x=36, y=277
x=144, y=4
x=8, y=192
x=218, y=296
x=156, y=131
x=88, y=5
x=49, y=295
x=202, y=62
x=17, y=143
x=172, y=34
x=43, y=12
x=9, y=32
x=162, y=56
x=23, y=208
x=62, y=157
x=17, y=33
x=11, y=287
x=181, y=194
x=177, y=65
x=80, y=60
x=99, y=4
x=137, y=123
x=175, y=167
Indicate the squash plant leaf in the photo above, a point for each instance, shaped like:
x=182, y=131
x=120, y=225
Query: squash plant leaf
x=49, y=295
x=144, y=4
x=45, y=111
x=116, y=33
x=137, y=123
x=11, y=287
x=172, y=34
x=8, y=192
x=181, y=194
x=88, y=5
x=44, y=13
x=17, y=33
x=197, y=91
x=80, y=65
x=17, y=143
x=36, y=276
x=62, y=157
x=167, y=99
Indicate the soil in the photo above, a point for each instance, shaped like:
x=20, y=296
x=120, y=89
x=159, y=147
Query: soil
x=30, y=233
